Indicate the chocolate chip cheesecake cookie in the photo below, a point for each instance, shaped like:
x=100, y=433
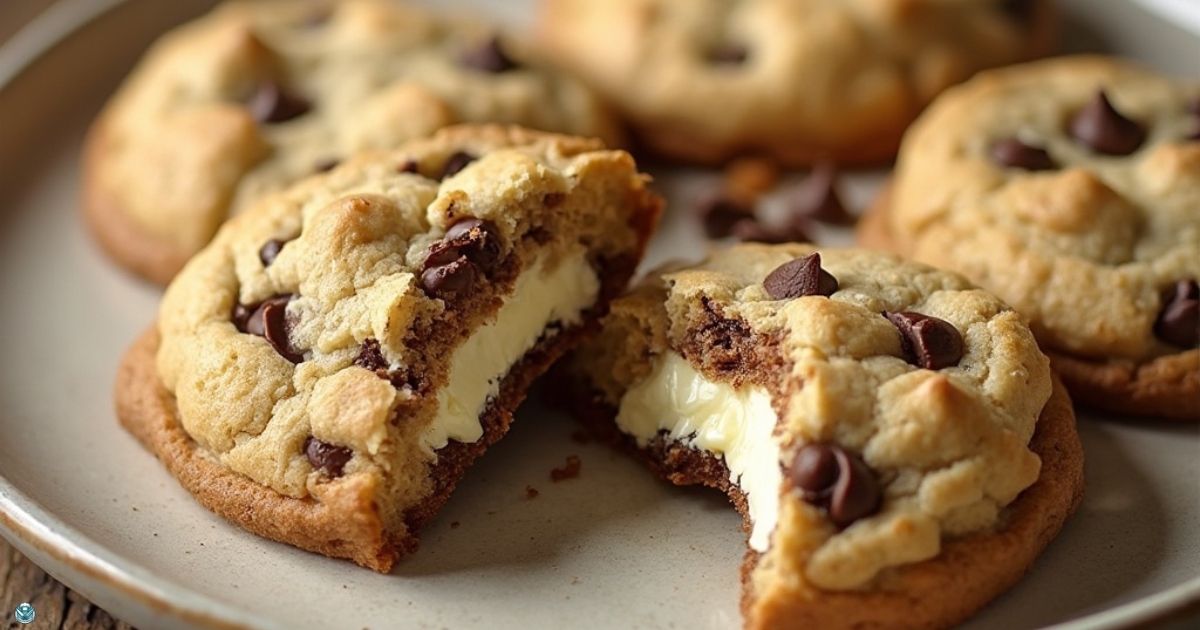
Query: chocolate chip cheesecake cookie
x=260, y=93
x=326, y=368
x=1069, y=187
x=799, y=81
x=893, y=436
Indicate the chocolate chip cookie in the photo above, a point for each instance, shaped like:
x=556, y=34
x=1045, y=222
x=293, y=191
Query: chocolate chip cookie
x=796, y=80
x=260, y=93
x=323, y=372
x=895, y=440
x=1069, y=187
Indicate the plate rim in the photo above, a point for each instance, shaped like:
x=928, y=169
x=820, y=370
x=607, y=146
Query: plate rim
x=84, y=565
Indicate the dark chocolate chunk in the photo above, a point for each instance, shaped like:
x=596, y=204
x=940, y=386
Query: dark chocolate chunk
x=928, y=342
x=728, y=55
x=270, y=251
x=1178, y=322
x=720, y=213
x=271, y=103
x=269, y=320
x=839, y=482
x=1102, y=128
x=800, y=277
x=409, y=166
x=477, y=239
x=753, y=231
x=489, y=57
x=456, y=162
x=330, y=458
x=817, y=198
x=325, y=165
x=1012, y=152
x=450, y=280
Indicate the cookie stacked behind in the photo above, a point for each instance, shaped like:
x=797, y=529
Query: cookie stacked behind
x=323, y=372
x=796, y=80
x=1069, y=187
x=260, y=93
x=893, y=436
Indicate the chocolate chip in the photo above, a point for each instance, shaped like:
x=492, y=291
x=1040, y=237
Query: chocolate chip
x=1012, y=152
x=450, y=280
x=798, y=278
x=489, y=57
x=409, y=166
x=327, y=457
x=325, y=165
x=753, y=231
x=728, y=55
x=271, y=103
x=1179, y=321
x=839, y=482
x=270, y=251
x=477, y=239
x=269, y=320
x=817, y=198
x=928, y=342
x=720, y=213
x=1102, y=128
x=456, y=162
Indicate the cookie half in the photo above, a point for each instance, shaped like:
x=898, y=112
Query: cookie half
x=325, y=370
x=1069, y=188
x=795, y=80
x=260, y=93
x=893, y=436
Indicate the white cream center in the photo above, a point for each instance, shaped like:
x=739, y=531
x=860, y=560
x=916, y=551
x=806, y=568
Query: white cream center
x=479, y=365
x=737, y=424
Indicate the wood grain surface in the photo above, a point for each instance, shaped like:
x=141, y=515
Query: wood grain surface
x=56, y=607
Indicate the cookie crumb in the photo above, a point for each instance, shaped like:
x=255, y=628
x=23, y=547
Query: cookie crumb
x=531, y=492
x=570, y=471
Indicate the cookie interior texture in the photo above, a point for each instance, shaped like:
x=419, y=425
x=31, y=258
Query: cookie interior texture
x=260, y=93
x=324, y=371
x=717, y=381
x=1003, y=180
x=800, y=82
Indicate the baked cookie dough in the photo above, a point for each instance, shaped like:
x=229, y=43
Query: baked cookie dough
x=326, y=368
x=893, y=436
x=799, y=81
x=1069, y=188
x=260, y=93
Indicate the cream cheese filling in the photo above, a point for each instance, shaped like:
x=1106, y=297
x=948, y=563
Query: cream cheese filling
x=541, y=297
x=736, y=424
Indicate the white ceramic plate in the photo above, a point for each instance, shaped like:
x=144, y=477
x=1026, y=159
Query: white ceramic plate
x=613, y=548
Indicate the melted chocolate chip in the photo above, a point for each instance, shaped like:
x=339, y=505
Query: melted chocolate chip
x=1103, y=129
x=325, y=165
x=271, y=103
x=330, y=458
x=456, y=162
x=720, y=213
x=728, y=55
x=409, y=166
x=477, y=239
x=269, y=320
x=489, y=57
x=1014, y=153
x=450, y=280
x=928, y=342
x=753, y=231
x=817, y=198
x=841, y=483
x=798, y=278
x=270, y=251
x=1178, y=322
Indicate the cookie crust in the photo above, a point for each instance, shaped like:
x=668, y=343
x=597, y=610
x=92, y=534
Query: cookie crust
x=798, y=82
x=1163, y=387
